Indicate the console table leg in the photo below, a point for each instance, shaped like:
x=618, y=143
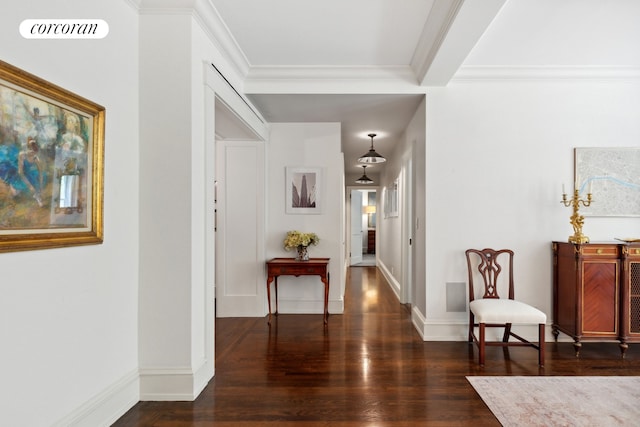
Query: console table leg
x=276, y=288
x=577, y=345
x=269, y=280
x=326, y=300
x=623, y=348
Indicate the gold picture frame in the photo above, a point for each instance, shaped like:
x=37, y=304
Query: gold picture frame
x=51, y=164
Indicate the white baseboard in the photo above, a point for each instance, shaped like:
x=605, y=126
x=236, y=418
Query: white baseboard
x=174, y=384
x=106, y=407
x=297, y=306
x=393, y=283
x=145, y=384
x=458, y=330
x=439, y=330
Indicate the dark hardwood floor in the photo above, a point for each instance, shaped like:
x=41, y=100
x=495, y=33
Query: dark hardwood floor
x=368, y=367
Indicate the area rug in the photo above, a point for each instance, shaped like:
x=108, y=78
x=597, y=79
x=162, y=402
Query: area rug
x=561, y=401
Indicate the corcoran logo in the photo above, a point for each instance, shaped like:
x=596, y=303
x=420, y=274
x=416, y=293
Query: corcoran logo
x=64, y=29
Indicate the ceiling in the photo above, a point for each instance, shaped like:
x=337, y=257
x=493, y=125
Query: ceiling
x=368, y=63
x=380, y=53
x=385, y=115
x=327, y=32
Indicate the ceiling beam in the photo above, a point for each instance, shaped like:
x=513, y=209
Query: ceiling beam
x=444, y=47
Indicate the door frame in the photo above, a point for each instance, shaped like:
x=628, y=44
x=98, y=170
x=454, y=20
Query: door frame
x=354, y=212
x=218, y=92
x=407, y=233
x=348, y=215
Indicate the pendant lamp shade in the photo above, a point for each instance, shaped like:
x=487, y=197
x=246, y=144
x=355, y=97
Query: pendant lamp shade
x=371, y=156
x=364, y=179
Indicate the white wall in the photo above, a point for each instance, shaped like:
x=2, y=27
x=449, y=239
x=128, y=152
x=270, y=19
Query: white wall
x=416, y=131
x=69, y=316
x=390, y=227
x=165, y=198
x=310, y=145
x=177, y=165
x=392, y=230
x=497, y=155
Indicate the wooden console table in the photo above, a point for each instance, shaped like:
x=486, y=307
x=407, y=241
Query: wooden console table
x=290, y=267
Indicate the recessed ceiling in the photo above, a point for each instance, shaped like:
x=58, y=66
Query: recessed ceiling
x=327, y=32
x=315, y=61
x=310, y=41
x=385, y=115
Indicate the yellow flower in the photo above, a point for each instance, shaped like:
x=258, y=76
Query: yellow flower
x=296, y=238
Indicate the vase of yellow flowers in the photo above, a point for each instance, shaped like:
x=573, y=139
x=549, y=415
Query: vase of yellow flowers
x=300, y=242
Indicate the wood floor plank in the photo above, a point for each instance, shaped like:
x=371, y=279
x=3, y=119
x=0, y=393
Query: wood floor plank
x=368, y=367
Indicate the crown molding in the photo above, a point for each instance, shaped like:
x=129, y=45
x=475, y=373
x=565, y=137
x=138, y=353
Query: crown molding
x=545, y=73
x=211, y=22
x=276, y=79
x=330, y=72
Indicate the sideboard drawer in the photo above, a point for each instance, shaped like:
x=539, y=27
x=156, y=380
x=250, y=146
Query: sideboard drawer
x=634, y=251
x=608, y=251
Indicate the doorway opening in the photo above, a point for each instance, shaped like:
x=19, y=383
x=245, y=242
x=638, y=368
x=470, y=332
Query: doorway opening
x=363, y=226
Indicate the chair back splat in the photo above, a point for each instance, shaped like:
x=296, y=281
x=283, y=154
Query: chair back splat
x=489, y=268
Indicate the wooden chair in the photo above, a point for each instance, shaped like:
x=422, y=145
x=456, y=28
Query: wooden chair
x=490, y=310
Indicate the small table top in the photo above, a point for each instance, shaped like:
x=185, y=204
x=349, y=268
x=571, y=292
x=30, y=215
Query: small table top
x=285, y=261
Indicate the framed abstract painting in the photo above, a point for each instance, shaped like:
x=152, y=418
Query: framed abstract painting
x=51, y=164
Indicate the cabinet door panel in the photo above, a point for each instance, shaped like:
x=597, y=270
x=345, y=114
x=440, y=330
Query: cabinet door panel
x=600, y=297
x=634, y=297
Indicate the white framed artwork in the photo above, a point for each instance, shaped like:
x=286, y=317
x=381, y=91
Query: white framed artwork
x=303, y=189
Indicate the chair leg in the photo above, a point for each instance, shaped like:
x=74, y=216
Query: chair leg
x=541, y=336
x=481, y=331
x=507, y=332
x=471, y=321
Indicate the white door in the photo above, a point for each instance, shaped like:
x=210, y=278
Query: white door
x=240, y=286
x=356, y=227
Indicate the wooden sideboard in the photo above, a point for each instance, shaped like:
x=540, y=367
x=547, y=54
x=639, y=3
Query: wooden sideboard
x=596, y=292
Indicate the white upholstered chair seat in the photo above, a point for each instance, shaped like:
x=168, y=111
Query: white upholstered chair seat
x=495, y=310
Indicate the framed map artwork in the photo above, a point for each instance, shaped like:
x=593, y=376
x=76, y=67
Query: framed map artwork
x=612, y=175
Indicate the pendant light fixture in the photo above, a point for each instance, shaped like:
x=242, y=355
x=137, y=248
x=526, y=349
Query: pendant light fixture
x=372, y=156
x=364, y=179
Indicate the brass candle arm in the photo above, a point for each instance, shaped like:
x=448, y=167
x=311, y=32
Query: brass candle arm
x=577, y=220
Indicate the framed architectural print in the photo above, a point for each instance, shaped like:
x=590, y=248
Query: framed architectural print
x=391, y=200
x=303, y=190
x=51, y=164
